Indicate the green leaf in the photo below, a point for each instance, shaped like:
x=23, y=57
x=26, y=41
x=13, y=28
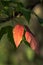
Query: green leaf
x=24, y=11
x=4, y=30
x=10, y=37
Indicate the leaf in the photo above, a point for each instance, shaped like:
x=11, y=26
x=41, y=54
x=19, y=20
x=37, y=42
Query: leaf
x=4, y=30
x=18, y=32
x=28, y=37
x=33, y=41
x=24, y=11
x=35, y=44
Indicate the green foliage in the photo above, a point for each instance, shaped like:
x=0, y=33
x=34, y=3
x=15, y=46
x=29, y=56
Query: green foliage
x=30, y=54
x=24, y=11
x=17, y=6
x=10, y=36
x=8, y=30
x=4, y=30
x=10, y=6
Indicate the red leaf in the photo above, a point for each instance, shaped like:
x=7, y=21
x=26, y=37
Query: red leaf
x=18, y=32
x=35, y=44
x=32, y=41
x=28, y=37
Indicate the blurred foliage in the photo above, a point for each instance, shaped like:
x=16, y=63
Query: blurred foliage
x=30, y=54
x=9, y=7
x=4, y=30
x=8, y=53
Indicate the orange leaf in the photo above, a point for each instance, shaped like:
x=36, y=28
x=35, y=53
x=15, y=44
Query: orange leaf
x=18, y=32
